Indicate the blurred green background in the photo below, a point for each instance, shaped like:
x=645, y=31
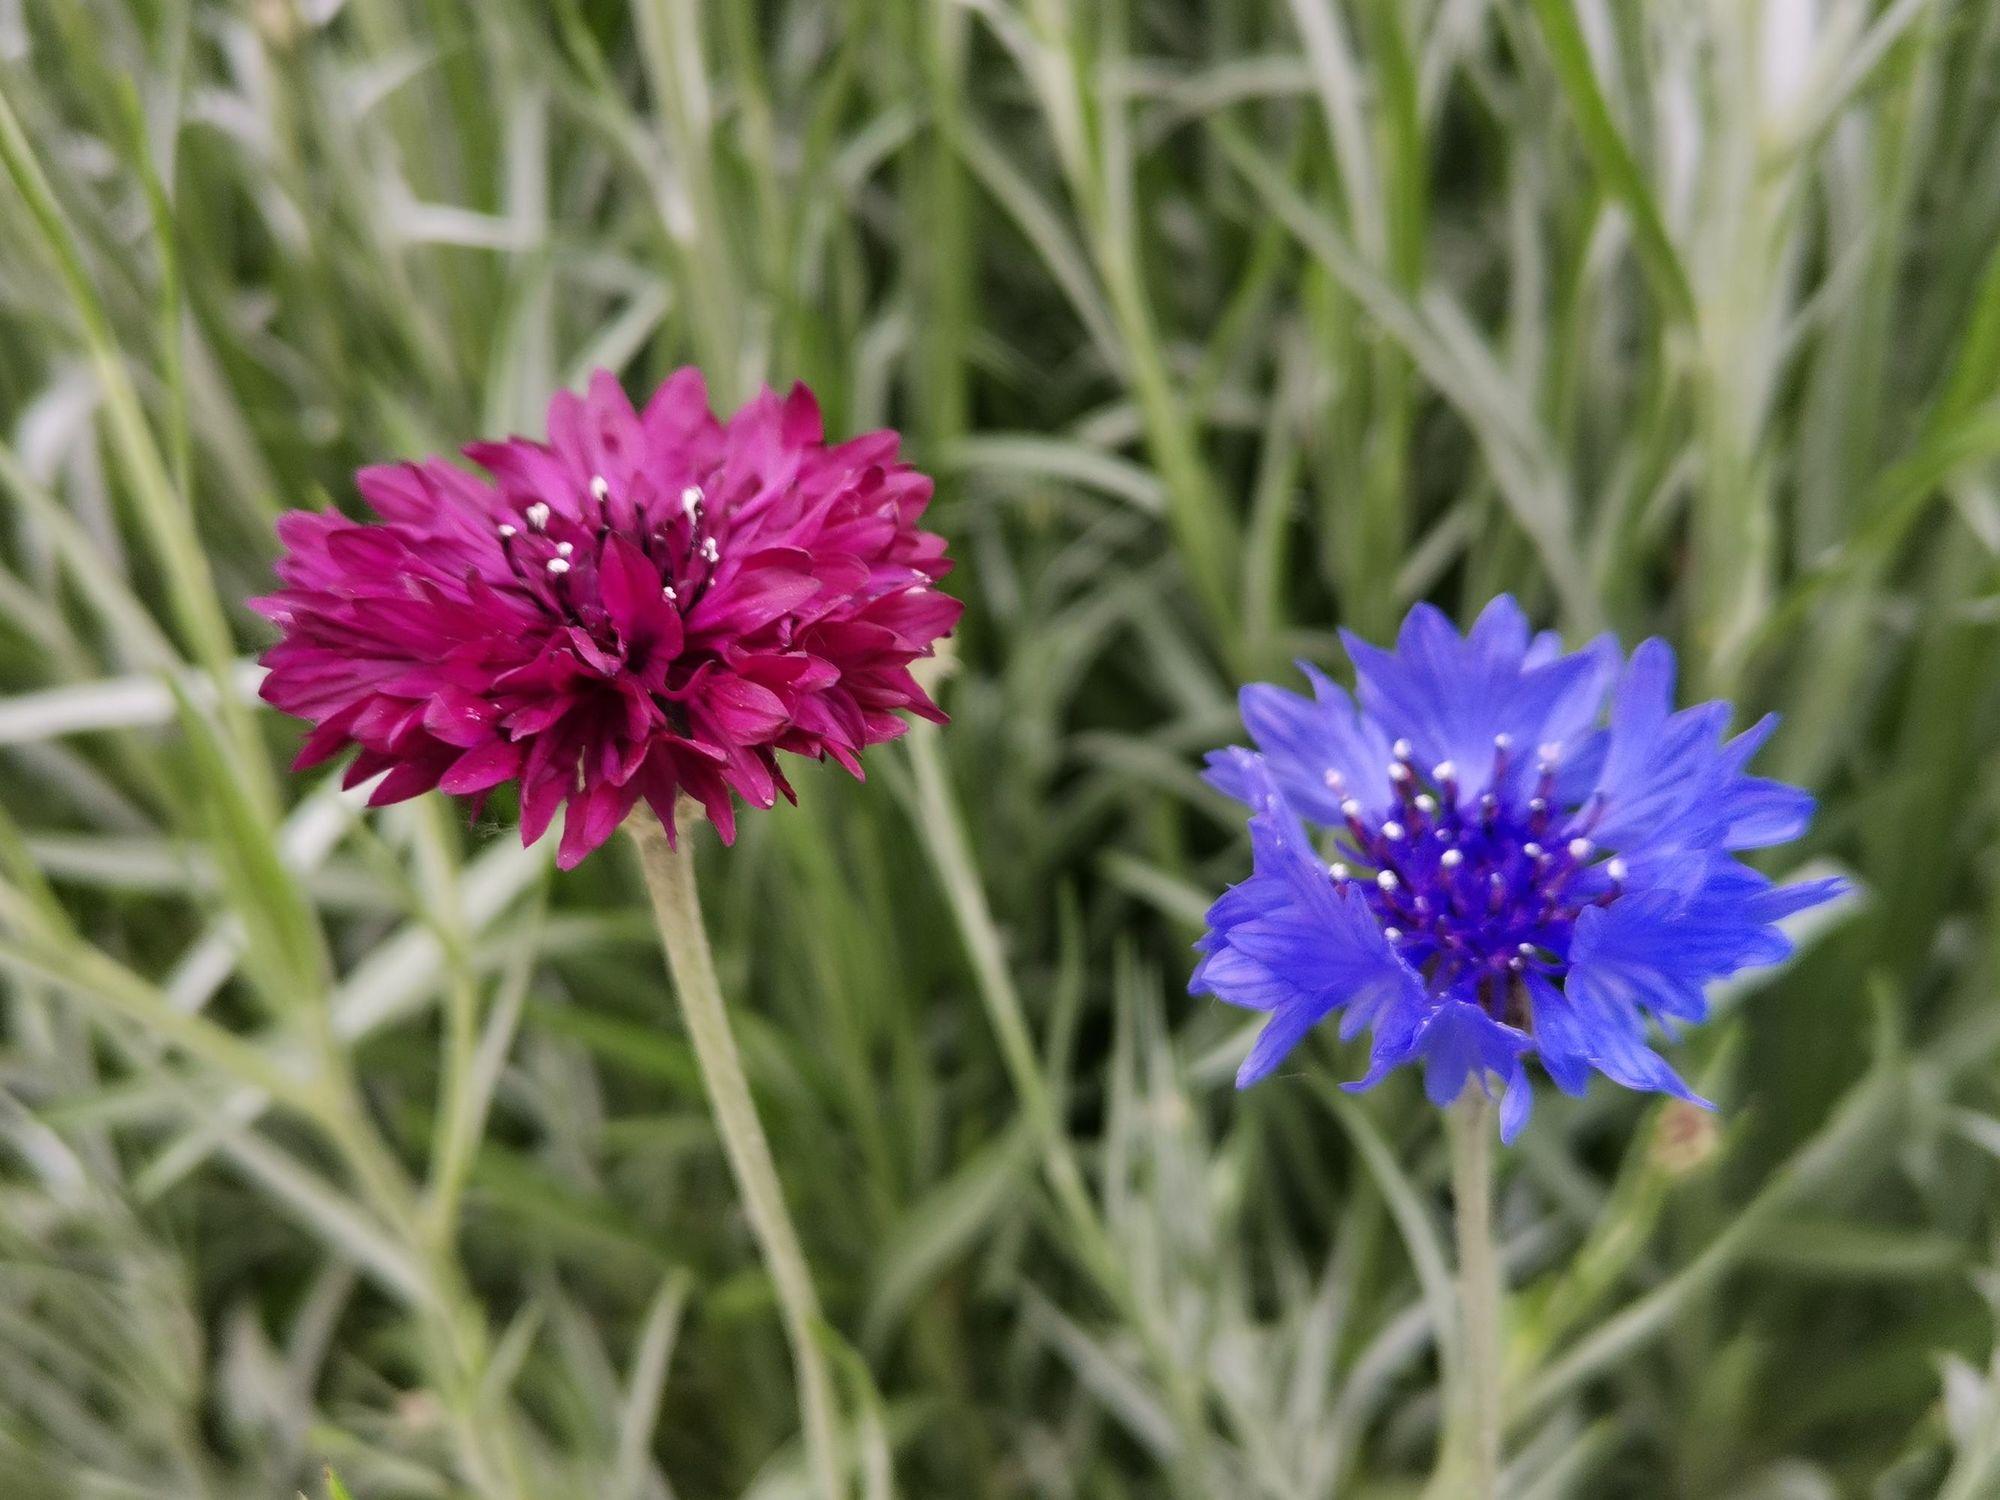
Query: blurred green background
x=362, y=1138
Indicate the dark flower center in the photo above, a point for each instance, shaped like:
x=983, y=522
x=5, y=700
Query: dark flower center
x=553, y=556
x=1473, y=892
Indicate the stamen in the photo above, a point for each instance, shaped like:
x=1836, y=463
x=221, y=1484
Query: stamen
x=563, y=549
x=691, y=499
x=507, y=533
x=538, y=515
x=709, y=551
x=599, y=490
x=669, y=594
x=558, y=566
x=1498, y=892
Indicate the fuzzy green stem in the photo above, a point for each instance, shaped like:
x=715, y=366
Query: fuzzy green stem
x=670, y=883
x=1470, y=1126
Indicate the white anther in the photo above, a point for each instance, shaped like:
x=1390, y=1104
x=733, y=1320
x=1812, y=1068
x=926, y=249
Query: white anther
x=1516, y=965
x=1579, y=848
x=1617, y=869
x=1526, y=950
x=1399, y=773
x=599, y=490
x=691, y=500
x=1392, y=830
x=1337, y=870
x=1426, y=803
x=1532, y=849
x=558, y=566
x=563, y=549
x=1503, y=741
x=1350, y=808
x=709, y=551
x=507, y=533
x=1538, y=804
x=668, y=594
x=1393, y=934
x=1387, y=880
x=1550, y=752
x=1451, y=859
x=1402, y=750
x=538, y=515
x=1444, y=771
x=1334, y=780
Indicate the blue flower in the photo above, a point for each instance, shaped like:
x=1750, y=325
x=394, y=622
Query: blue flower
x=1503, y=869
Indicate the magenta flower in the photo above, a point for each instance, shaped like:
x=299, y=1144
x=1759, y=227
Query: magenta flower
x=647, y=604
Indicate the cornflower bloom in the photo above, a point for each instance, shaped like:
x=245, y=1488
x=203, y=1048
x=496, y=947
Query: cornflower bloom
x=1505, y=871
x=648, y=604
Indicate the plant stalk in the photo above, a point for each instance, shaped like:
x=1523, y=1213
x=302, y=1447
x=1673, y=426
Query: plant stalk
x=670, y=883
x=1469, y=1123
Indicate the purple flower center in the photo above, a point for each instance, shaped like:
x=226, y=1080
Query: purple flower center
x=1473, y=891
x=554, y=556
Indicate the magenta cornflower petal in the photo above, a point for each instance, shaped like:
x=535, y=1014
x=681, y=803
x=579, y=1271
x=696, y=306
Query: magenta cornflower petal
x=594, y=815
x=326, y=741
x=482, y=767
x=649, y=604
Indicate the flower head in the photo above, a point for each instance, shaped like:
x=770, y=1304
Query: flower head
x=647, y=604
x=1506, y=871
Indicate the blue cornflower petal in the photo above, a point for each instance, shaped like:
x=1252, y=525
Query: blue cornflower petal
x=1579, y=1031
x=1318, y=750
x=1460, y=1043
x=1284, y=1031
x=1508, y=865
x=1762, y=812
x=1516, y=1104
x=1451, y=697
x=1292, y=941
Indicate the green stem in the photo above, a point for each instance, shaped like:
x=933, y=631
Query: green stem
x=670, y=883
x=1470, y=1126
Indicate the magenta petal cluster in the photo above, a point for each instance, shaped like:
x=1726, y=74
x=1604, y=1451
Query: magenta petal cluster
x=649, y=603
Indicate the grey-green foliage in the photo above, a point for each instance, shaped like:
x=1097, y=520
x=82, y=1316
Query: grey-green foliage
x=363, y=1139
